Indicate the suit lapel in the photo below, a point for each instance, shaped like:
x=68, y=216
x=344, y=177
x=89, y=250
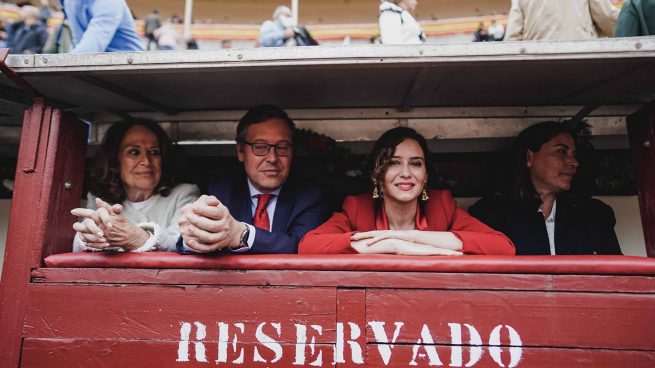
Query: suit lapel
x=283, y=209
x=243, y=203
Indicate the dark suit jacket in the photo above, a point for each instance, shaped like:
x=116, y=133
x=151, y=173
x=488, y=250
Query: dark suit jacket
x=300, y=208
x=441, y=213
x=582, y=225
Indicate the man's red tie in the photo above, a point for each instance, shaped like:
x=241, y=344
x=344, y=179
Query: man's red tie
x=261, y=216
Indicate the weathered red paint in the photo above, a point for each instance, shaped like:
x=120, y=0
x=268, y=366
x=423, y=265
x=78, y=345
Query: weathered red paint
x=532, y=358
x=39, y=353
x=155, y=312
x=641, y=129
x=349, y=279
x=571, y=320
x=105, y=317
x=580, y=265
x=39, y=206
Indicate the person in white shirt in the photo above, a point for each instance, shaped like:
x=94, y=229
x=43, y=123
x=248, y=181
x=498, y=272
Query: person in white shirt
x=397, y=25
x=134, y=200
x=496, y=31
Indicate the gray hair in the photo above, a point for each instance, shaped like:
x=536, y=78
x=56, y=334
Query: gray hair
x=281, y=10
x=29, y=11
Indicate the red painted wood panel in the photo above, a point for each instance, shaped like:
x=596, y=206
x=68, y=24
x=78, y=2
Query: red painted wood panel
x=55, y=353
x=66, y=151
x=349, y=279
x=157, y=312
x=560, y=265
x=615, y=321
x=39, y=206
x=403, y=355
x=641, y=130
x=351, y=314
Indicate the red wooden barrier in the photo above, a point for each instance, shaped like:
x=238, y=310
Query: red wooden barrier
x=641, y=128
x=412, y=311
x=51, y=154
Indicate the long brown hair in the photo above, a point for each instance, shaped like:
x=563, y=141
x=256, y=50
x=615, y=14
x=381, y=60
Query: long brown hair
x=105, y=177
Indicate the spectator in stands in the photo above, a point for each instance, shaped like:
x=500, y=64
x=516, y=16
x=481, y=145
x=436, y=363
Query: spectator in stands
x=560, y=20
x=28, y=35
x=263, y=211
x=60, y=40
x=152, y=22
x=538, y=211
x=481, y=34
x=167, y=37
x=136, y=172
x=401, y=215
x=637, y=18
x=45, y=11
x=226, y=43
x=496, y=31
x=101, y=26
x=192, y=44
x=397, y=25
x=3, y=34
x=278, y=31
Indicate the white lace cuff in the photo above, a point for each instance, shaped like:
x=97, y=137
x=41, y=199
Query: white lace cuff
x=153, y=241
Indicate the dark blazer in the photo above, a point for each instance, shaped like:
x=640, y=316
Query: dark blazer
x=26, y=39
x=441, y=214
x=300, y=207
x=582, y=225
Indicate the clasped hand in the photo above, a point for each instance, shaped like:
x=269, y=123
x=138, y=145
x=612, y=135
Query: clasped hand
x=106, y=227
x=206, y=225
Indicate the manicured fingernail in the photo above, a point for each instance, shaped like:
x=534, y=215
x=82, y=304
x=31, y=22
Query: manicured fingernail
x=100, y=234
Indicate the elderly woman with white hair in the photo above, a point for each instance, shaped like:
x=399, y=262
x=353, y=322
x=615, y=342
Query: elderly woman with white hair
x=278, y=31
x=397, y=24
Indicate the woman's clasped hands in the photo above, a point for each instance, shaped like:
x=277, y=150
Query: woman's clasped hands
x=106, y=227
x=404, y=242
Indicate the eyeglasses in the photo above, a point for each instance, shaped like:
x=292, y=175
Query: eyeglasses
x=283, y=148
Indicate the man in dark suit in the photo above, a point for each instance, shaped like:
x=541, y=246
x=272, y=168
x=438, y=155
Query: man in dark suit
x=261, y=212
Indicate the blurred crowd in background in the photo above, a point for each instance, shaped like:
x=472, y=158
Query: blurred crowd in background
x=61, y=26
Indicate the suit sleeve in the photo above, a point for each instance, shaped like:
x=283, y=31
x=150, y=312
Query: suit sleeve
x=311, y=216
x=334, y=235
x=477, y=238
x=515, y=23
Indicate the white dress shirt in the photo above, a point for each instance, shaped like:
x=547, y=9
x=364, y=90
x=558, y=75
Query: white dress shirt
x=550, y=227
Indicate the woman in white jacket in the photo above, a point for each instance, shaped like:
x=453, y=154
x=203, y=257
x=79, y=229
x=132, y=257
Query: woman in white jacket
x=397, y=25
x=135, y=195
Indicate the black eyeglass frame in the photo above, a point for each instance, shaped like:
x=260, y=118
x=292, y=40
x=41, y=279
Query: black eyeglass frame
x=276, y=146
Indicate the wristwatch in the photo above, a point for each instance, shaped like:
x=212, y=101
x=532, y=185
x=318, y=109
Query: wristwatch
x=243, y=242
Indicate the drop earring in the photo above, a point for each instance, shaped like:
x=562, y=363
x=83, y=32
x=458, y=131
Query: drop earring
x=376, y=191
x=424, y=195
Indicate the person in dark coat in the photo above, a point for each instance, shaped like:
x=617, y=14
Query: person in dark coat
x=28, y=35
x=637, y=18
x=539, y=212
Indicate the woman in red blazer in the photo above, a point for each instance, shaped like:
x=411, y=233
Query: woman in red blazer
x=403, y=216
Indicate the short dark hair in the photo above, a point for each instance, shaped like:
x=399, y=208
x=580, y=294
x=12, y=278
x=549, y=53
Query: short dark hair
x=385, y=147
x=532, y=138
x=261, y=113
x=105, y=177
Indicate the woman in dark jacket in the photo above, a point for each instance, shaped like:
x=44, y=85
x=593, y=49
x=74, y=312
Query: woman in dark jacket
x=539, y=212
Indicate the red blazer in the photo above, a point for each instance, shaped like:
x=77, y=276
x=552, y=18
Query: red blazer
x=440, y=211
